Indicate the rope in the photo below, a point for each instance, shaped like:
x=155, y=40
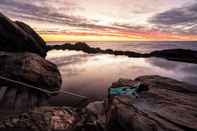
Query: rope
x=39, y=89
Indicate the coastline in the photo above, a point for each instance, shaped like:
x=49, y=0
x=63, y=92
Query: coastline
x=182, y=55
x=147, y=103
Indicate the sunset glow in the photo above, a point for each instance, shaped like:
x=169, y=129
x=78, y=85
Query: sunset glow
x=107, y=20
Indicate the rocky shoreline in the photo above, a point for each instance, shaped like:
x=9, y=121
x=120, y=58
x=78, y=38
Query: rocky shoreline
x=181, y=55
x=166, y=105
x=155, y=104
x=24, y=71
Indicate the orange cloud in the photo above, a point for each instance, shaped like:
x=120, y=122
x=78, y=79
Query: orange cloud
x=115, y=36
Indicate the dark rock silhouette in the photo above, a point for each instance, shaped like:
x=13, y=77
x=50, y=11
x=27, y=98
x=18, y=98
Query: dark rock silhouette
x=177, y=54
x=181, y=55
x=31, y=32
x=22, y=53
x=19, y=37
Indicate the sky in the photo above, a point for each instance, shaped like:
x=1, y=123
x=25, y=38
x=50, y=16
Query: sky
x=107, y=20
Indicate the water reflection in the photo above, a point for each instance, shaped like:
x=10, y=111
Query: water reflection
x=91, y=75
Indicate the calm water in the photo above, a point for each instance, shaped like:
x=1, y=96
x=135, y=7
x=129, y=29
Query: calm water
x=92, y=74
x=141, y=47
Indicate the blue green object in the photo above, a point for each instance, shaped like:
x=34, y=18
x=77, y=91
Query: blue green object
x=126, y=90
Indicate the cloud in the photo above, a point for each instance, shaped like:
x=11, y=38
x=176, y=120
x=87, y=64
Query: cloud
x=63, y=16
x=178, y=20
x=184, y=15
x=51, y=11
x=57, y=12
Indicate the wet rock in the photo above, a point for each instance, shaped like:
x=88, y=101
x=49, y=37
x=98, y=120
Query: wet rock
x=19, y=37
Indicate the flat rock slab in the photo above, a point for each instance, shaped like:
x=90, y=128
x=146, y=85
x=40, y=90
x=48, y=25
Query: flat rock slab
x=167, y=105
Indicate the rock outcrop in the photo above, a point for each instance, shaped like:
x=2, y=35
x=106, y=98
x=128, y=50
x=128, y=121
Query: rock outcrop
x=177, y=55
x=19, y=37
x=167, y=105
x=26, y=78
x=30, y=69
x=182, y=55
x=162, y=104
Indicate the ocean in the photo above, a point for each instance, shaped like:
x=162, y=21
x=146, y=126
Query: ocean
x=92, y=74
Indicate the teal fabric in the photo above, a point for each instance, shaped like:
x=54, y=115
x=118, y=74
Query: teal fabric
x=131, y=91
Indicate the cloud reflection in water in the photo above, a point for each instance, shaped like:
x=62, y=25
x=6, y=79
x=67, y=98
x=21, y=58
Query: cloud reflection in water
x=91, y=75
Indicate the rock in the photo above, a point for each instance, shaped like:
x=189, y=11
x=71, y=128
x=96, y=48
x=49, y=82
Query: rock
x=31, y=32
x=167, y=105
x=182, y=55
x=30, y=69
x=96, y=114
x=19, y=37
x=42, y=119
x=81, y=45
x=109, y=51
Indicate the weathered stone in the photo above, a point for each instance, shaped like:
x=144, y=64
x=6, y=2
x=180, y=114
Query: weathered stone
x=167, y=105
x=42, y=119
x=30, y=69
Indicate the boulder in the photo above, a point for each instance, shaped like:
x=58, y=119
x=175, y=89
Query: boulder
x=166, y=105
x=15, y=99
x=31, y=69
x=31, y=32
x=19, y=37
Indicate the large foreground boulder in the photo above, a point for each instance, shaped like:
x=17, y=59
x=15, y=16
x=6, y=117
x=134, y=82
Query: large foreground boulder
x=30, y=69
x=19, y=37
x=168, y=105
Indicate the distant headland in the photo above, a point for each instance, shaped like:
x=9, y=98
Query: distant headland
x=182, y=55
